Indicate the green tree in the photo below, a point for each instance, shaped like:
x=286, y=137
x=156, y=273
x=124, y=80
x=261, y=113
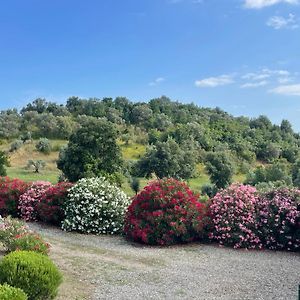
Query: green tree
x=167, y=159
x=220, y=168
x=3, y=163
x=92, y=151
x=36, y=164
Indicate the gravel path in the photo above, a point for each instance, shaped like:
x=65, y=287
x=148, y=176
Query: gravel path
x=112, y=268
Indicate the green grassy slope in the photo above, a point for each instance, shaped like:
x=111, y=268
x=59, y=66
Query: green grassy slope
x=19, y=159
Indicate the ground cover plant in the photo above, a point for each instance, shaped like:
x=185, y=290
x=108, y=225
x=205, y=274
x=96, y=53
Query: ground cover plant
x=15, y=235
x=165, y=212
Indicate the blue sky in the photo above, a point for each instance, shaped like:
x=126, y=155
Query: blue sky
x=240, y=55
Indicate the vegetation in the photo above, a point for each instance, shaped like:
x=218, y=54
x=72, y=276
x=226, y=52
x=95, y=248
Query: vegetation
x=32, y=272
x=8, y=292
x=92, y=151
x=165, y=212
x=95, y=206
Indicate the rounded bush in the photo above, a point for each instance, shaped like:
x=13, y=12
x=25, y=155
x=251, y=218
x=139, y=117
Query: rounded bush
x=233, y=217
x=279, y=219
x=165, y=212
x=32, y=272
x=29, y=200
x=50, y=206
x=95, y=206
x=43, y=145
x=10, y=191
x=8, y=292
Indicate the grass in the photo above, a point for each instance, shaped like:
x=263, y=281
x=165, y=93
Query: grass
x=133, y=151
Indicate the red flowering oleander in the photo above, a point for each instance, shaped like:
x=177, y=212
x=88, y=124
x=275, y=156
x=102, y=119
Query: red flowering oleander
x=165, y=212
x=50, y=206
x=10, y=191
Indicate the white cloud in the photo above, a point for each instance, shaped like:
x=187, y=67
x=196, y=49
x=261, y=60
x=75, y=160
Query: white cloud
x=157, y=81
x=256, y=76
x=258, y=4
x=288, y=90
x=215, y=81
x=278, y=22
x=254, y=84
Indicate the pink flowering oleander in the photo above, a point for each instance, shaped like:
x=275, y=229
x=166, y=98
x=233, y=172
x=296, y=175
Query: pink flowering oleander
x=29, y=200
x=278, y=214
x=233, y=217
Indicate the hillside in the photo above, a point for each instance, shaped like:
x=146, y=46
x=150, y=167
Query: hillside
x=151, y=128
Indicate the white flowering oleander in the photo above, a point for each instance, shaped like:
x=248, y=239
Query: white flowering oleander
x=95, y=206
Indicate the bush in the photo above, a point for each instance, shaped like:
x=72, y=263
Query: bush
x=9, y=228
x=95, y=206
x=165, y=212
x=15, y=145
x=8, y=292
x=10, y=191
x=15, y=235
x=44, y=146
x=29, y=200
x=279, y=219
x=50, y=207
x=32, y=272
x=29, y=241
x=233, y=217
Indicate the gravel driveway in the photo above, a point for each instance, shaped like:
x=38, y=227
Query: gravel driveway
x=109, y=267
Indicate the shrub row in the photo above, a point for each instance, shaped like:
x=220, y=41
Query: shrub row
x=167, y=212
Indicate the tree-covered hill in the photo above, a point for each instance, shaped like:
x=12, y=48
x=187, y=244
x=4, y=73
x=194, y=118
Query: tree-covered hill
x=177, y=136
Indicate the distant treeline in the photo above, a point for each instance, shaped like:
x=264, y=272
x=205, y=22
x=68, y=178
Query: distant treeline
x=158, y=120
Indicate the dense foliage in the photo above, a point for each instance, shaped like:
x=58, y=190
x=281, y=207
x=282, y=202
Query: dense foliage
x=91, y=151
x=165, y=212
x=194, y=130
x=279, y=219
x=95, y=206
x=233, y=217
x=32, y=272
x=28, y=201
x=10, y=191
x=50, y=207
x=8, y=292
x=15, y=235
x=3, y=163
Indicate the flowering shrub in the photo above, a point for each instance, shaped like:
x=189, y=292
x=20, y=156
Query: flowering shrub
x=50, y=205
x=9, y=228
x=165, y=212
x=95, y=206
x=29, y=241
x=29, y=200
x=278, y=214
x=15, y=235
x=233, y=217
x=10, y=191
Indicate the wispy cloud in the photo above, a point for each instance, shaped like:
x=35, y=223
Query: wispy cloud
x=215, y=81
x=258, y=4
x=278, y=22
x=288, y=90
x=254, y=84
x=157, y=81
